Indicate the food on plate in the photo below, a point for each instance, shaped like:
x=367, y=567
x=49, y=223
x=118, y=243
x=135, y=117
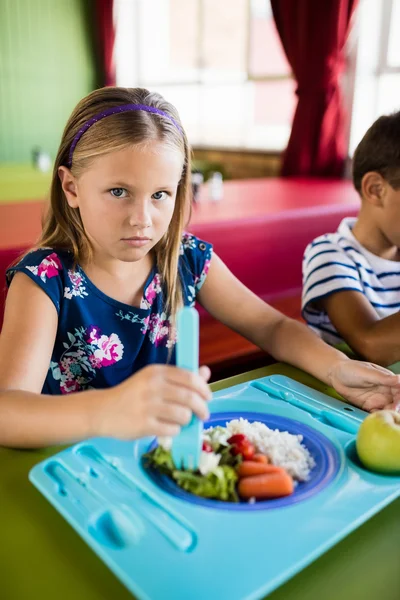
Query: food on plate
x=276, y=484
x=241, y=461
x=251, y=467
x=240, y=445
x=378, y=442
x=261, y=458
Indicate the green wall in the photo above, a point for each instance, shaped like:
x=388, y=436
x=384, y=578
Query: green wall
x=46, y=65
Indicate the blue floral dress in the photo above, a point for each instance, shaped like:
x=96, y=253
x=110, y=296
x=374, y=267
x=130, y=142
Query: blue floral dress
x=101, y=341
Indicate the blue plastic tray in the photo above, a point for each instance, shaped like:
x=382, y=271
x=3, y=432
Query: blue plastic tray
x=163, y=543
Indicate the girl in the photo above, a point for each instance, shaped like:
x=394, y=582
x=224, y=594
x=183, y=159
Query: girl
x=90, y=312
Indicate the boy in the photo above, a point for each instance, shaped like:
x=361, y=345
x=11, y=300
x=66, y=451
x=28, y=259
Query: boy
x=351, y=278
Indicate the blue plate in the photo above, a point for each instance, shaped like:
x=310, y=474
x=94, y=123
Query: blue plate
x=323, y=451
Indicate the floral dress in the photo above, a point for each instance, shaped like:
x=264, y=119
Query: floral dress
x=101, y=341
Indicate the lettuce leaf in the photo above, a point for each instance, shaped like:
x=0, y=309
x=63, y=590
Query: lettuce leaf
x=219, y=485
x=159, y=459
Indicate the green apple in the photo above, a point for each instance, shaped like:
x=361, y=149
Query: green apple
x=378, y=442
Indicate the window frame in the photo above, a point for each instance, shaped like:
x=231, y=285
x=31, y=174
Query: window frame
x=141, y=81
x=131, y=73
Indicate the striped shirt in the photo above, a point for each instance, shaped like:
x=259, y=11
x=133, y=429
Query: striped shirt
x=336, y=262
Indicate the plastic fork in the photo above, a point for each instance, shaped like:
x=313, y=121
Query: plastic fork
x=186, y=446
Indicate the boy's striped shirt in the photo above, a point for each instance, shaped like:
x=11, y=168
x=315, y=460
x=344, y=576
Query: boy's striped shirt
x=336, y=262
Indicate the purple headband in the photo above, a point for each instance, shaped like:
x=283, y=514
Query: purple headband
x=113, y=111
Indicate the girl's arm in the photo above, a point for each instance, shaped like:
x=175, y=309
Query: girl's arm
x=229, y=301
x=28, y=336
x=31, y=420
x=155, y=401
x=26, y=343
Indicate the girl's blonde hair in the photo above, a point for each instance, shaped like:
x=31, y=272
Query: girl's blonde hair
x=63, y=227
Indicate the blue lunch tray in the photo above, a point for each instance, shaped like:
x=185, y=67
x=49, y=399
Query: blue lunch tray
x=163, y=542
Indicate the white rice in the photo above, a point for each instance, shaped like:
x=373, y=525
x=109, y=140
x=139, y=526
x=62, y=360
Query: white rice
x=283, y=448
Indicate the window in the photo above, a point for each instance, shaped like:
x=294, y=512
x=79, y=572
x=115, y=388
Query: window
x=377, y=76
x=219, y=61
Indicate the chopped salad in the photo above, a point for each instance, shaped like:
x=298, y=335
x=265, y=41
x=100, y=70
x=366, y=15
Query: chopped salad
x=242, y=461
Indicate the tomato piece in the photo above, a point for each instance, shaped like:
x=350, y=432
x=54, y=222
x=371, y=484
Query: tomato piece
x=245, y=448
x=207, y=447
x=237, y=438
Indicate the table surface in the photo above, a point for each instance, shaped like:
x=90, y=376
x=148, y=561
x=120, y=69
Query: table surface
x=20, y=222
x=41, y=556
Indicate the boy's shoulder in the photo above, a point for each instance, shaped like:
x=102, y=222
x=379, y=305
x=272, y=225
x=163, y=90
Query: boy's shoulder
x=339, y=242
x=325, y=239
x=335, y=239
x=329, y=243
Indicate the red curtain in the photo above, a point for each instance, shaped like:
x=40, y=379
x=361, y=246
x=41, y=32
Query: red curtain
x=106, y=39
x=313, y=34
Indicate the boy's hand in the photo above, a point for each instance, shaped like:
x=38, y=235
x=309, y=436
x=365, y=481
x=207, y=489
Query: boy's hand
x=366, y=385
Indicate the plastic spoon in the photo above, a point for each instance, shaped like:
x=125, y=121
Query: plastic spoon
x=186, y=446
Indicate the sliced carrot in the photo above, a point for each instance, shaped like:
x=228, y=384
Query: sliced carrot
x=269, y=485
x=249, y=467
x=260, y=458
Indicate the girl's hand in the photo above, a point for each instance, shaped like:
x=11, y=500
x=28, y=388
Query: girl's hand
x=366, y=385
x=156, y=401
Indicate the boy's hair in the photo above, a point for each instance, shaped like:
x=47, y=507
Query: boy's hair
x=63, y=227
x=379, y=151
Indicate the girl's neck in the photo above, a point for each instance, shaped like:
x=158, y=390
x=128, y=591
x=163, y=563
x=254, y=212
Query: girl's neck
x=120, y=270
x=122, y=281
